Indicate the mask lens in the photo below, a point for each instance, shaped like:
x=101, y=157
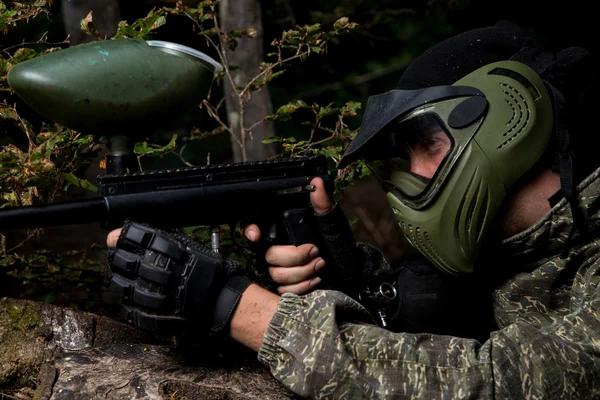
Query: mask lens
x=420, y=145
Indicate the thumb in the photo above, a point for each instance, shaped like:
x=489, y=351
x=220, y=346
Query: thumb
x=319, y=198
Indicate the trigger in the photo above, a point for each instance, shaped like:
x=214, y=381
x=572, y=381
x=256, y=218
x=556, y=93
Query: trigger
x=271, y=234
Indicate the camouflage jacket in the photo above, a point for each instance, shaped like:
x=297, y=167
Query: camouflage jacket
x=324, y=345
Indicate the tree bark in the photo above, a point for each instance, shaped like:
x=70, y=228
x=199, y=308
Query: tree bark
x=48, y=352
x=239, y=15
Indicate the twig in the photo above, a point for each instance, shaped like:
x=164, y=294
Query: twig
x=213, y=114
x=223, y=55
x=31, y=233
x=40, y=41
x=26, y=131
x=9, y=396
x=180, y=154
x=256, y=124
x=271, y=67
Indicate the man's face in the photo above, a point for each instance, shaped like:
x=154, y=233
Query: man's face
x=426, y=151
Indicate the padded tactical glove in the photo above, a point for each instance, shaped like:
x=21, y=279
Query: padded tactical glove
x=170, y=283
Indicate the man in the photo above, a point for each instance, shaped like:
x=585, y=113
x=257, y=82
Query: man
x=475, y=152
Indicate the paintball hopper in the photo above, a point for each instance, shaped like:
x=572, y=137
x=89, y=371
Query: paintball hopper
x=116, y=87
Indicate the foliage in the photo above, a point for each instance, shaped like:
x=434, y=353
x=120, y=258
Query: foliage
x=21, y=11
x=68, y=279
x=294, y=44
x=335, y=139
x=47, y=164
x=47, y=160
x=44, y=162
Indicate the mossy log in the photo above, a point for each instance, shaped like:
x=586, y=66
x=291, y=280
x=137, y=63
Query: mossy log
x=49, y=352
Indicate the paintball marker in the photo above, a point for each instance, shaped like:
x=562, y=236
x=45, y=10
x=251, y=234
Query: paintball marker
x=132, y=86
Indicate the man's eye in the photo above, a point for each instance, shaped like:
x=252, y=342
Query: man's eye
x=431, y=144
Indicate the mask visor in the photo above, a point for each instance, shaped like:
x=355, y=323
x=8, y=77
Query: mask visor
x=420, y=151
x=421, y=146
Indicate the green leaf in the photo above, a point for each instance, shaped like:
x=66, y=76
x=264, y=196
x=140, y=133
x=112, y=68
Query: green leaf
x=313, y=28
x=143, y=149
x=83, y=183
x=327, y=110
x=350, y=109
x=143, y=27
x=341, y=23
x=88, y=185
x=272, y=139
x=83, y=140
x=284, y=113
x=8, y=113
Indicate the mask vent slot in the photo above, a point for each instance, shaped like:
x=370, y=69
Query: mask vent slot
x=421, y=241
x=521, y=114
x=517, y=77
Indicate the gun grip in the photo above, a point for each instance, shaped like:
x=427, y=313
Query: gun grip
x=300, y=226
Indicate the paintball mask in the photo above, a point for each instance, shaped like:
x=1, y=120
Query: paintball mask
x=447, y=155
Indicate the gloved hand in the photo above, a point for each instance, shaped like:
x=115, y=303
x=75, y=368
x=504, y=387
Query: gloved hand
x=171, y=284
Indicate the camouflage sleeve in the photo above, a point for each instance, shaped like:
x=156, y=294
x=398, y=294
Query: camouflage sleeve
x=322, y=345
x=326, y=345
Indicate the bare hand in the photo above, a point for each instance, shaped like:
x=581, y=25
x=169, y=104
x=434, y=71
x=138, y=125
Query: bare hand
x=295, y=267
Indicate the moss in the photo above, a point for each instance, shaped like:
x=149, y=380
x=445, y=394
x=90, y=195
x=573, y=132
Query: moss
x=23, y=316
x=17, y=322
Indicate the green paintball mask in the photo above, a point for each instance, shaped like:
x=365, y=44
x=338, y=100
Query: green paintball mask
x=447, y=155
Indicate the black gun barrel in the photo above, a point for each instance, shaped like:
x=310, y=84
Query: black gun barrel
x=67, y=212
x=210, y=195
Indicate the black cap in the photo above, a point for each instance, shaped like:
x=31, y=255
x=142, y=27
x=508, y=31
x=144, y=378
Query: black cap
x=458, y=56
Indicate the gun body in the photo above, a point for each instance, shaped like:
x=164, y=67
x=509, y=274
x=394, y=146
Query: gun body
x=274, y=194
x=91, y=88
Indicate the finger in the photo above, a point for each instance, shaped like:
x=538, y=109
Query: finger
x=319, y=198
x=293, y=275
x=300, y=288
x=129, y=266
x=112, y=237
x=252, y=232
x=128, y=290
x=291, y=256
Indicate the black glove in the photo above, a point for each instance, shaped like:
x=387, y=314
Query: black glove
x=171, y=284
x=345, y=261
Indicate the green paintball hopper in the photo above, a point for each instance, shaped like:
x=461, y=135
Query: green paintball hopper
x=126, y=87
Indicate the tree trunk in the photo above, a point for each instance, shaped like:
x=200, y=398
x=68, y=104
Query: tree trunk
x=106, y=14
x=239, y=15
x=56, y=353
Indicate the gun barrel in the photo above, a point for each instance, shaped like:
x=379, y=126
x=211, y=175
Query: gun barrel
x=64, y=213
